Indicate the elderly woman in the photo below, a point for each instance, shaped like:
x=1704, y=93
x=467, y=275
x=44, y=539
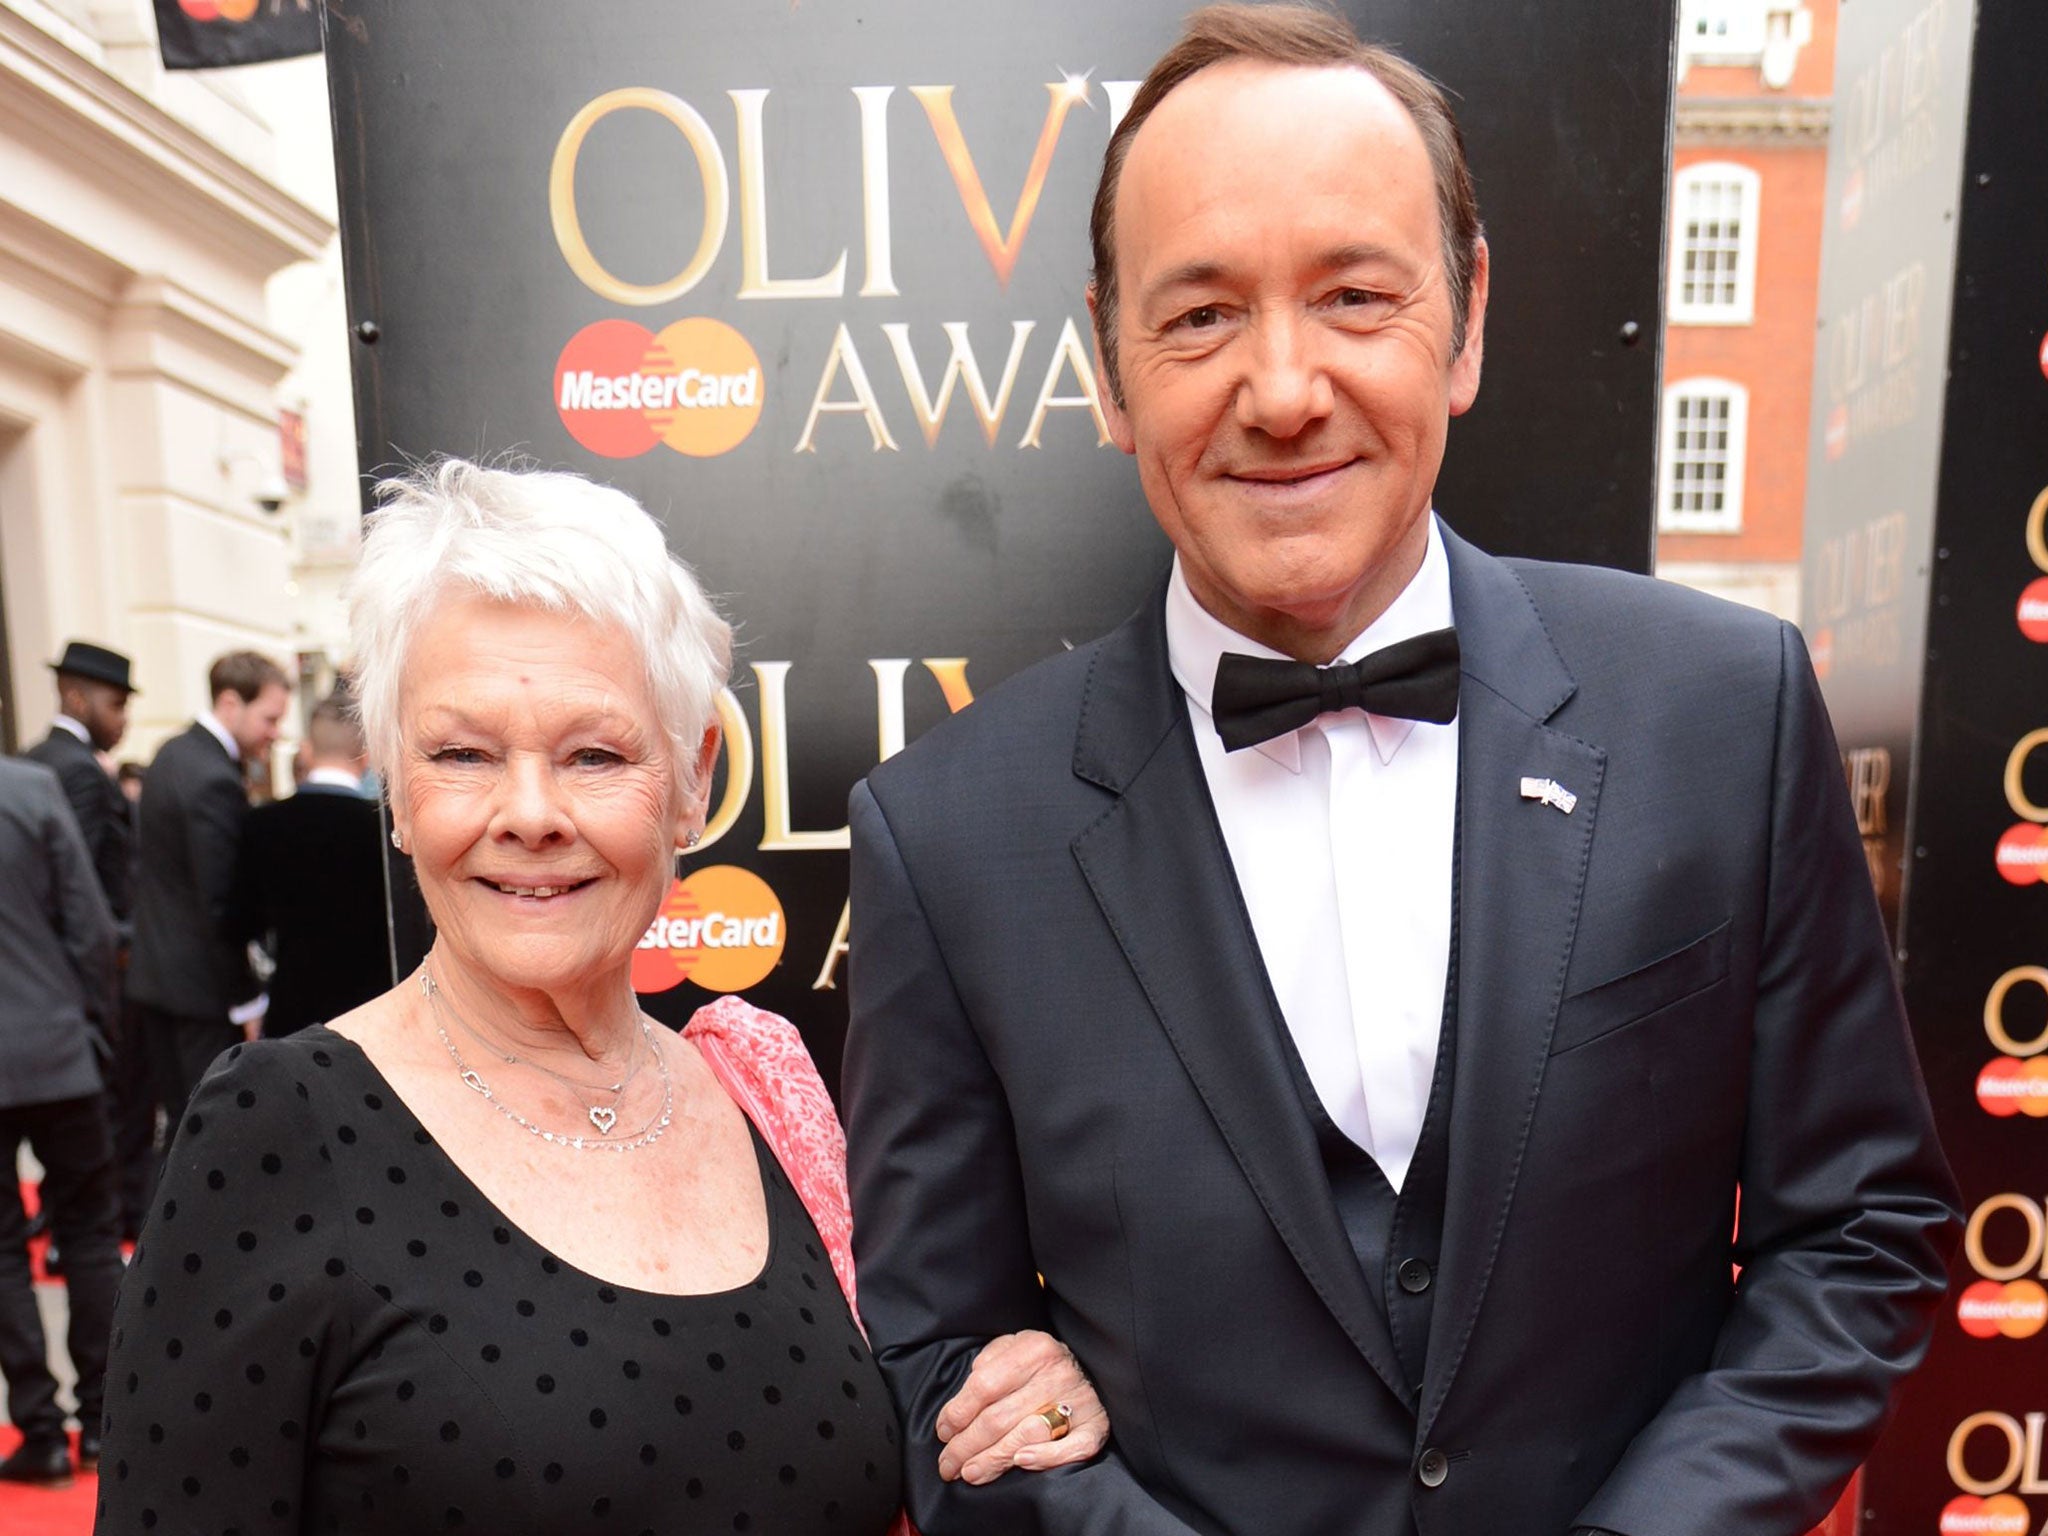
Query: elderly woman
x=494, y=1252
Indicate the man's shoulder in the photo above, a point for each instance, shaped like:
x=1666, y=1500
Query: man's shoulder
x=1641, y=628
x=193, y=755
x=52, y=749
x=25, y=779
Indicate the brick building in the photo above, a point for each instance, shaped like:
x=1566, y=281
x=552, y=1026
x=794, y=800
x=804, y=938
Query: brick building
x=1749, y=170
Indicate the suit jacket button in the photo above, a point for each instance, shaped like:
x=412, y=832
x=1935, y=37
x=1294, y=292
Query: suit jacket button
x=1434, y=1467
x=1414, y=1276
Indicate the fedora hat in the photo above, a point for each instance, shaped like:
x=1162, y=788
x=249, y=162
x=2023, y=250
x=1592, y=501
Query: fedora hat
x=82, y=658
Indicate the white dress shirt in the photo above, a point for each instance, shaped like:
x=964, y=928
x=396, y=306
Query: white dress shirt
x=1341, y=834
x=65, y=723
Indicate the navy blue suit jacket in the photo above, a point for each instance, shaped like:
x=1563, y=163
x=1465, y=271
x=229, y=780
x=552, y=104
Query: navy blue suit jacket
x=1065, y=1060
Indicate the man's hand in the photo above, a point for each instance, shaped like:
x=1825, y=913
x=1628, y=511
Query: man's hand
x=994, y=1423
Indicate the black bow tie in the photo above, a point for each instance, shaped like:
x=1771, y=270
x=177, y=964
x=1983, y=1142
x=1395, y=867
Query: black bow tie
x=1256, y=699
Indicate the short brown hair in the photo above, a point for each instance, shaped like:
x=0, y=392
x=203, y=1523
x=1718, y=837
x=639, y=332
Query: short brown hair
x=333, y=730
x=1310, y=38
x=244, y=674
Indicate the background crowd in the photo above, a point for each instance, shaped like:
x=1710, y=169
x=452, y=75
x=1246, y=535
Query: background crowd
x=150, y=918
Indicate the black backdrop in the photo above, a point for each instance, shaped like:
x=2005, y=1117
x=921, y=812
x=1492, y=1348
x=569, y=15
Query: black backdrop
x=448, y=118
x=1966, y=1451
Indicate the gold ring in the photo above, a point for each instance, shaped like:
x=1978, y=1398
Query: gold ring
x=1058, y=1418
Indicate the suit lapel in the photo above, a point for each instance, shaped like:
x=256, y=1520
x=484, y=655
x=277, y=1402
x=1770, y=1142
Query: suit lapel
x=1159, y=869
x=1522, y=866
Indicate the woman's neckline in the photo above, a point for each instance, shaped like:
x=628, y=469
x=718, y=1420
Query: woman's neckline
x=762, y=1163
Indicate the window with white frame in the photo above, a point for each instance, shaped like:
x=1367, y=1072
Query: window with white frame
x=1713, y=244
x=1722, y=31
x=1700, y=470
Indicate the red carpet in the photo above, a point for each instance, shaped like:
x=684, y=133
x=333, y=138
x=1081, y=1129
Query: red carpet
x=45, y=1511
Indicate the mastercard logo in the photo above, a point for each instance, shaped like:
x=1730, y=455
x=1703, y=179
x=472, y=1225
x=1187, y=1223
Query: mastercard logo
x=2023, y=854
x=218, y=10
x=2017, y=1309
x=2009, y=1086
x=1999, y=1515
x=721, y=928
x=695, y=385
x=2033, y=611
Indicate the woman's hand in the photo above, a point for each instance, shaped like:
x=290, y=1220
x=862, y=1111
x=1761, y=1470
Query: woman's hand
x=995, y=1421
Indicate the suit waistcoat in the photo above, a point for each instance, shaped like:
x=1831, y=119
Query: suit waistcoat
x=1397, y=1238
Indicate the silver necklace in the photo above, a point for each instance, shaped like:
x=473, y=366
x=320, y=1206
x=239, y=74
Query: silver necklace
x=616, y=1090
x=601, y=1117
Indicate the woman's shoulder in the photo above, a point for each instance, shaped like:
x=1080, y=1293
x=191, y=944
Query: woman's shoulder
x=281, y=1075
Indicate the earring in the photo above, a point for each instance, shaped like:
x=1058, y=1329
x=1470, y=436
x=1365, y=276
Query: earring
x=693, y=837
x=398, y=839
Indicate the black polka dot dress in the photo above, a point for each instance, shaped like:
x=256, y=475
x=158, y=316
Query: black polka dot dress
x=327, y=1328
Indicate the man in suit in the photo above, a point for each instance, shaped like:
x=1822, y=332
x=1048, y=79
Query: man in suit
x=191, y=970
x=1346, y=1031
x=57, y=943
x=93, y=688
x=312, y=882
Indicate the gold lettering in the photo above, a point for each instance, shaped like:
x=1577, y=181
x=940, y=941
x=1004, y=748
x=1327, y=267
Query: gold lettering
x=828, y=973
x=880, y=282
x=2037, y=529
x=1002, y=250
x=738, y=747
x=569, y=225
x=1973, y=1237
x=1119, y=93
x=951, y=673
x=1068, y=354
x=2032, y=1481
x=2015, y=769
x=1994, y=1011
x=863, y=404
x=961, y=367
x=888, y=706
x=2006, y=1425
x=755, y=283
x=776, y=833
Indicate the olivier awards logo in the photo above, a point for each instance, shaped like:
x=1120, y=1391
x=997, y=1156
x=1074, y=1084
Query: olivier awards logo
x=2022, y=853
x=721, y=928
x=1993, y=1458
x=2015, y=1082
x=697, y=385
x=2004, y=1243
x=2032, y=614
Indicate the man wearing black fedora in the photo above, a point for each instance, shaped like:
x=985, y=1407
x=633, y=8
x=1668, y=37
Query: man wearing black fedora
x=94, y=685
x=93, y=689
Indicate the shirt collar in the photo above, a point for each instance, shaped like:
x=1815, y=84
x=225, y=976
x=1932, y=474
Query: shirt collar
x=65, y=722
x=333, y=778
x=1196, y=640
x=220, y=734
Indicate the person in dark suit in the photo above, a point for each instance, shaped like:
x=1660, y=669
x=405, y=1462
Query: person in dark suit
x=311, y=886
x=93, y=689
x=94, y=685
x=57, y=941
x=190, y=969
x=1343, y=1003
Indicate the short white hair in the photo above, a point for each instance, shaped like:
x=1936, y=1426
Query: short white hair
x=538, y=538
